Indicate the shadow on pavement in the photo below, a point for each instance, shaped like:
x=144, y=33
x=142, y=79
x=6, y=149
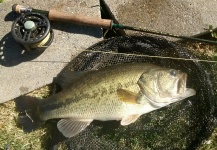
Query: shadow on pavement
x=12, y=53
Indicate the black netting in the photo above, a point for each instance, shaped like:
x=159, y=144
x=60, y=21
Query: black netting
x=182, y=125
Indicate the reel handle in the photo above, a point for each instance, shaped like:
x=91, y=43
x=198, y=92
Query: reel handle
x=79, y=19
x=62, y=16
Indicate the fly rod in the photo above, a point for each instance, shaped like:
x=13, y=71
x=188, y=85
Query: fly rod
x=97, y=22
x=67, y=17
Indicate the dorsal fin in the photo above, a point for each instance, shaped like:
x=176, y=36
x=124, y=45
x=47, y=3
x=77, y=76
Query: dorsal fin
x=67, y=77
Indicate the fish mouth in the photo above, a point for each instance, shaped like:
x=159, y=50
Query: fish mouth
x=181, y=83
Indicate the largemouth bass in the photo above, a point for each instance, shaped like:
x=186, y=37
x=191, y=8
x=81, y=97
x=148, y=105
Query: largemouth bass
x=119, y=92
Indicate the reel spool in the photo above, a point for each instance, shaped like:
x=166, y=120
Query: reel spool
x=33, y=31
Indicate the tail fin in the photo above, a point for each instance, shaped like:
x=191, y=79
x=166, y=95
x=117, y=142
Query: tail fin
x=28, y=118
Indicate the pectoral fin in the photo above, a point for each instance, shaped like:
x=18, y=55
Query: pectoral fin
x=70, y=127
x=127, y=96
x=129, y=119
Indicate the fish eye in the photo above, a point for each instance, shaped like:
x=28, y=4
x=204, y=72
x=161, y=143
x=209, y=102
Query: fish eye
x=173, y=72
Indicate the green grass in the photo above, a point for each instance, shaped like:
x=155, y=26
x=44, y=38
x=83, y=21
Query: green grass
x=211, y=143
x=14, y=138
x=1, y=1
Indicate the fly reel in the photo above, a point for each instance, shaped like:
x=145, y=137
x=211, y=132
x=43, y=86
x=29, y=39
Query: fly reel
x=33, y=31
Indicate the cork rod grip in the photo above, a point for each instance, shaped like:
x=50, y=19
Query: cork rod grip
x=79, y=19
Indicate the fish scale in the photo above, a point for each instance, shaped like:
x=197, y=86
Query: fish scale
x=92, y=82
x=118, y=92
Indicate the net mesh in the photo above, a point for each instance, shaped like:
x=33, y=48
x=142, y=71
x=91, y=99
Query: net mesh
x=182, y=125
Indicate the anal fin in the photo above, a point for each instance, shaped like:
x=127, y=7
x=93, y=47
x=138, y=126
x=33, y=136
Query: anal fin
x=71, y=127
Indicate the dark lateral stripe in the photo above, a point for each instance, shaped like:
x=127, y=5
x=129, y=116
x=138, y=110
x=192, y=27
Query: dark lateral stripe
x=55, y=103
